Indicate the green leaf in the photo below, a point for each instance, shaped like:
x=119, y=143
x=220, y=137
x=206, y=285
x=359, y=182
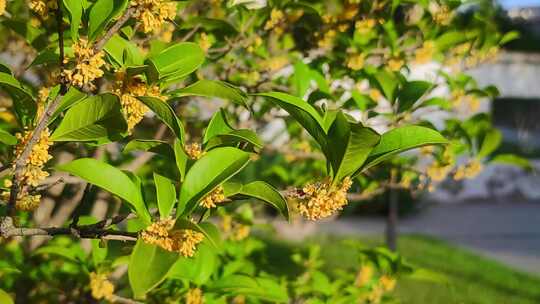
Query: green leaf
x=5, y=298
x=266, y=193
x=181, y=158
x=72, y=97
x=235, y=137
x=98, y=118
x=166, y=195
x=510, y=36
x=148, y=266
x=387, y=82
x=492, y=140
x=156, y=146
x=23, y=102
x=164, y=111
x=175, y=62
x=305, y=114
x=7, y=138
x=75, y=10
x=214, y=168
x=101, y=13
x=99, y=253
x=109, y=178
x=197, y=269
x=301, y=78
x=402, y=139
x=71, y=253
x=263, y=288
x=125, y=53
x=349, y=146
x=514, y=160
x=214, y=88
x=217, y=125
x=411, y=92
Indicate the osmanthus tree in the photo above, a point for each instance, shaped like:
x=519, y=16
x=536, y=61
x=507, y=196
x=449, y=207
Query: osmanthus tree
x=135, y=124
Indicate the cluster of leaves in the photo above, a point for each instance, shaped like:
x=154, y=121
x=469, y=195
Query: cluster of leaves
x=215, y=78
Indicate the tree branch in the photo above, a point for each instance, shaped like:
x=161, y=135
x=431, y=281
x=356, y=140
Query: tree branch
x=98, y=46
x=7, y=229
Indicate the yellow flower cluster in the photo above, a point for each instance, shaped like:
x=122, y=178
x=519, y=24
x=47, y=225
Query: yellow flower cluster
x=425, y=53
x=213, y=198
x=88, y=65
x=2, y=7
x=469, y=170
x=162, y=234
x=327, y=41
x=129, y=90
x=275, y=63
x=438, y=172
x=395, y=64
x=240, y=232
x=442, y=15
x=194, y=296
x=42, y=7
x=29, y=202
x=204, y=42
x=386, y=284
x=153, y=13
x=365, y=26
x=256, y=43
x=356, y=61
x=32, y=173
x=478, y=57
x=322, y=199
x=101, y=287
x=365, y=274
x=276, y=19
x=194, y=151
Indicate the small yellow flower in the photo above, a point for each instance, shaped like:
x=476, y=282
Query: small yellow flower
x=322, y=199
x=204, y=42
x=469, y=170
x=162, y=234
x=2, y=7
x=395, y=64
x=375, y=95
x=387, y=282
x=356, y=61
x=128, y=90
x=365, y=26
x=425, y=53
x=276, y=17
x=153, y=13
x=240, y=232
x=32, y=173
x=194, y=151
x=275, y=63
x=328, y=39
x=364, y=276
x=437, y=172
x=194, y=296
x=87, y=65
x=213, y=198
x=42, y=7
x=101, y=287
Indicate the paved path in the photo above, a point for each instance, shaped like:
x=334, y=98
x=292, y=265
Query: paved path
x=509, y=233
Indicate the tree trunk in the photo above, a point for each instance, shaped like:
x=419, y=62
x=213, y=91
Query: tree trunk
x=392, y=220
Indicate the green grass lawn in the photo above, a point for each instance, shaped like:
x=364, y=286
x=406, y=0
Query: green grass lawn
x=471, y=278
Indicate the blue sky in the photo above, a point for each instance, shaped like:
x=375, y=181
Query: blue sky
x=513, y=3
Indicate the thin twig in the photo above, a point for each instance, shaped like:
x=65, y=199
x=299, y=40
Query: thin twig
x=7, y=229
x=98, y=46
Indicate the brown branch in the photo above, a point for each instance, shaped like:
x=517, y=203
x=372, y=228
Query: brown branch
x=98, y=46
x=7, y=229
